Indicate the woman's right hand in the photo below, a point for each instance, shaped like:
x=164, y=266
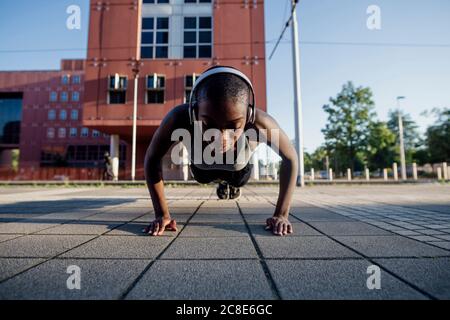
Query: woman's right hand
x=159, y=225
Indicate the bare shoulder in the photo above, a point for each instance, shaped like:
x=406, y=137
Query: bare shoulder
x=178, y=117
x=264, y=121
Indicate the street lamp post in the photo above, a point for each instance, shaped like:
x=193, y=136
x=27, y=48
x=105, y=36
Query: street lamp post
x=402, y=145
x=136, y=65
x=297, y=97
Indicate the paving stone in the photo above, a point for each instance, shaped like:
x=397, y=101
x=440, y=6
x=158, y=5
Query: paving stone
x=334, y=279
x=407, y=232
x=302, y=247
x=211, y=218
x=207, y=279
x=317, y=214
x=423, y=238
x=214, y=230
x=443, y=237
x=40, y=245
x=299, y=229
x=23, y=227
x=210, y=248
x=138, y=247
x=6, y=237
x=441, y=244
x=12, y=266
x=100, y=279
x=430, y=275
x=348, y=228
x=81, y=227
x=390, y=246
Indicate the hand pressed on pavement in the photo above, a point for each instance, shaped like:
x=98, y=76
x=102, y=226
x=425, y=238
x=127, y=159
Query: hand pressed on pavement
x=279, y=225
x=159, y=225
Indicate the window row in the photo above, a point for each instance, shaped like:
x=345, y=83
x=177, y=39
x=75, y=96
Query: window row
x=197, y=37
x=155, y=88
x=64, y=96
x=72, y=132
x=70, y=79
x=62, y=114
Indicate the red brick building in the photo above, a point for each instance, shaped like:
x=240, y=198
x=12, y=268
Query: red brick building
x=174, y=40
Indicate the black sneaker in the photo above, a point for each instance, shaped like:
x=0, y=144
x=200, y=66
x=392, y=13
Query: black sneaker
x=235, y=193
x=223, y=190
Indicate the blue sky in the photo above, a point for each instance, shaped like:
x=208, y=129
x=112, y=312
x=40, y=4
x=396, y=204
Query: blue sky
x=409, y=56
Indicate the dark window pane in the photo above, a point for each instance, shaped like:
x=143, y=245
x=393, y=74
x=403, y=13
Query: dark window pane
x=149, y=1
x=161, y=52
x=147, y=37
x=162, y=37
x=163, y=1
x=205, y=22
x=190, y=37
x=117, y=97
x=204, y=37
x=147, y=23
x=190, y=23
x=147, y=52
x=155, y=96
x=150, y=81
x=162, y=23
x=205, y=1
x=190, y=1
x=161, y=82
x=189, y=52
x=189, y=81
x=204, y=51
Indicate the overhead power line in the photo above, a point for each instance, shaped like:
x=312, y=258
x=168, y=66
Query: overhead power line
x=288, y=22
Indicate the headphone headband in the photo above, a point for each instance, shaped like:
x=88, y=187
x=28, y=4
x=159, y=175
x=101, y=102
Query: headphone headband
x=217, y=70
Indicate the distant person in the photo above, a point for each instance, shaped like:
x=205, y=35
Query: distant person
x=222, y=100
x=107, y=167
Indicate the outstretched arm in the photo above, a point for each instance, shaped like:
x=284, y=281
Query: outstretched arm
x=160, y=144
x=278, y=140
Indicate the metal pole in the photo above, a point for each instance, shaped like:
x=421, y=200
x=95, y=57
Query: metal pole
x=402, y=145
x=133, y=151
x=297, y=98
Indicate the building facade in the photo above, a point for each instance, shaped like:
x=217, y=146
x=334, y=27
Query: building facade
x=41, y=115
x=169, y=42
x=72, y=116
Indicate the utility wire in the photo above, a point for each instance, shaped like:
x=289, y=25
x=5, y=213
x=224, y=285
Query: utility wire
x=288, y=22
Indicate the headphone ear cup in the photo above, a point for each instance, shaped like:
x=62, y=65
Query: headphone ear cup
x=250, y=114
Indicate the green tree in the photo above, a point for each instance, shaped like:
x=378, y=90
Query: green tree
x=411, y=136
x=349, y=117
x=381, y=148
x=438, y=137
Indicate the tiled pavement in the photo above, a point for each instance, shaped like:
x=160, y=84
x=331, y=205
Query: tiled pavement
x=221, y=250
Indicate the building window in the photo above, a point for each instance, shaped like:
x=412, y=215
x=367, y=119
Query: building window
x=156, y=85
x=53, y=96
x=50, y=133
x=64, y=96
x=197, y=37
x=155, y=37
x=117, y=89
x=189, y=81
x=76, y=79
x=156, y=1
x=65, y=79
x=95, y=133
x=197, y=1
x=74, y=114
x=63, y=115
x=61, y=132
x=75, y=96
x=51, y=114
x=84, y=132
x=73, y=132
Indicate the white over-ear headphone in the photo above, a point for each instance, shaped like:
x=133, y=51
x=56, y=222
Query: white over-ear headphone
x=215, y=70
